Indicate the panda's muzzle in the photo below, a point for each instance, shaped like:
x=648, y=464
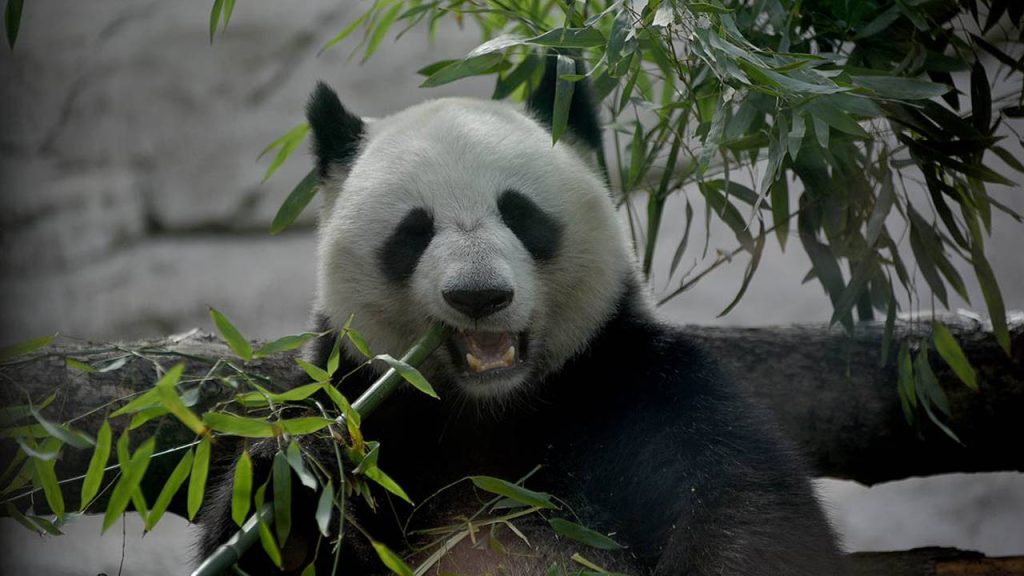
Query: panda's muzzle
x=479, y=352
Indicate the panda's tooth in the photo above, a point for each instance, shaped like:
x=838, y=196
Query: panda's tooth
x=474, y=363
x=509, y=356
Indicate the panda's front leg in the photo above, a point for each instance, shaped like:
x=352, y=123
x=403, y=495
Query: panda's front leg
x=305, y=544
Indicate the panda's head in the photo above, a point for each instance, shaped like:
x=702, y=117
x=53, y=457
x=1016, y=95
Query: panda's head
x=462, y=211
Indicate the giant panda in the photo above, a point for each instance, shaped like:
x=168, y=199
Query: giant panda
x=462, y=211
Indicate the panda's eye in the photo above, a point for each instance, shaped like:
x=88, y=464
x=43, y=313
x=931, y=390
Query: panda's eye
x=539, y=232
x=402, y=250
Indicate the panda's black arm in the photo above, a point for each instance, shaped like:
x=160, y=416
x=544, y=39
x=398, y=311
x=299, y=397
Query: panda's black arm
x=690, y=475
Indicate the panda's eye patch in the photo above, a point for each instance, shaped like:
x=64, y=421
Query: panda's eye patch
x=402, y=250
x=539, y=232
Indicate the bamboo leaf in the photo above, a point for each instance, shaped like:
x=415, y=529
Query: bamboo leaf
x=132, y=471
x=409, y=374
x=45, y=476
x=294, y=455
x=900, y=88
x=563, y=97
x=513, y=491
x=582, y=534
x=12, y=20
x=950, y=350
x=282, y=503
x=391, y=560
x=25, y=347
x=234, y=339
x=171, y=487
x=241, y=489
x=215, y=12
x=170, y=399
x=239, y=425
x=325, y=509
x=100, y=456
x=284, y=344
x=296, y=202
x=63, y=433
x=755, y=260
x=197, y=481
x=474, y=66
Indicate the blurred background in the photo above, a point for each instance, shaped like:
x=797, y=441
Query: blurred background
x=132, y=201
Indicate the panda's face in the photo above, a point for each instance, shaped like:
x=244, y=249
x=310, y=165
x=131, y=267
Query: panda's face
x=461, y=211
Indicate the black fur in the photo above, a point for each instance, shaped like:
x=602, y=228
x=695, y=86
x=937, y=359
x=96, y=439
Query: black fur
x=584, y=120
x=641, y=434
x=337, y=133
x=539, y=232
x=402, y=250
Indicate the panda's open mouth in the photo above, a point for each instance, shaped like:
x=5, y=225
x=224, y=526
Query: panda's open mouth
x=482, y=352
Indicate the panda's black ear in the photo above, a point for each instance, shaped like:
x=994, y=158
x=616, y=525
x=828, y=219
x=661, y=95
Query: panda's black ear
x=584, y=122
x=337, y=132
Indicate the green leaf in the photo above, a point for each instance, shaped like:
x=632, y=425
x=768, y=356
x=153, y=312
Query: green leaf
x=563, y=97
x=171, y=487
x=63, y=433
x=229, y=8
x=239, y=425
x=779, y=192
x=45, y=476
x=368, y=467
x=931, y=393
x=473, y=66
x=513, y=491
x=343, y=404
x=508, y=83
x=380, y=30
x=409, y=374
x=755, y=259
x=900, y=88
x=241, y=489
x=266, y=536
x=12, y=20
x=79, y=365
x=345, y=32
x=25, y=347
x=325, y=509
x=981, y=98
x=316, y=373
x=307, y=425
x=197, y=481
x=391, y=560
x=989, y=286
x=950, y=350
x=148, y=399
x=294, y=455
x=170, y=399
x=286, y=144
x=296, y=202
x=296, y=394
x=582, y=534
x=97, y=464
x=570, y=38
x=359, y=342
x=282, y=497
x=132, y=471
x=218, y=6
x=231, y=335
x=284, y=344
x=905, y=382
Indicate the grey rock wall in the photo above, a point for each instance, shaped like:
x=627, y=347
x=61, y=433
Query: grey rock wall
x=132, y=200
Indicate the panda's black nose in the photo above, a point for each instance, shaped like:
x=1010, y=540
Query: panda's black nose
x=478, y=303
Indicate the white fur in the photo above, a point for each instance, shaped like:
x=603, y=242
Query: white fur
x=454, y=157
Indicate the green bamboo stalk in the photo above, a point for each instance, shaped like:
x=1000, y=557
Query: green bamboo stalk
x=231, y=551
